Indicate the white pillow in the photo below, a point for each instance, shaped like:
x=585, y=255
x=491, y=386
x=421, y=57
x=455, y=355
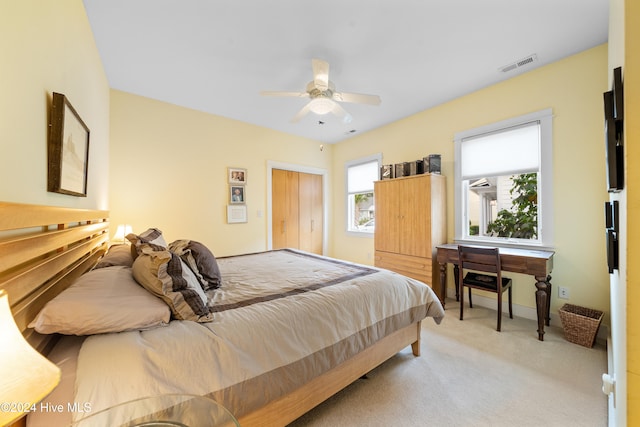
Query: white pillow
x=101, y=301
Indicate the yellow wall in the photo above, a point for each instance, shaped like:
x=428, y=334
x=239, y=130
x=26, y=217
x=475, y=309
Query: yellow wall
x=192, y=150
x=169, y=170
x=632, y=147
x=48, y=47
x=573, y=88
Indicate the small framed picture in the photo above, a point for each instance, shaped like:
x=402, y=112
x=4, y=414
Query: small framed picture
x=236, y=214
x=237, y=176
x=237, y=194
x=386, y=172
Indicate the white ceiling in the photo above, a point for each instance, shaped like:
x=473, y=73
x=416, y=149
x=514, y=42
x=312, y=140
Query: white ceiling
x=217, y=55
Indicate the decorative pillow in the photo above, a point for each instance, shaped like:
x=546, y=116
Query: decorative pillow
x=117, y=255
x=101, y=301
x=151, y=236
x=164, y=274
x=201, y=261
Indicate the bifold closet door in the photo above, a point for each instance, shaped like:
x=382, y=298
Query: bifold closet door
x=310, y=196
x=285, y=216
x=297, y=206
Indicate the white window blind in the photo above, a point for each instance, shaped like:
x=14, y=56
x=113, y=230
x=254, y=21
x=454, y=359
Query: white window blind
x=360, y=177
x=512, y=151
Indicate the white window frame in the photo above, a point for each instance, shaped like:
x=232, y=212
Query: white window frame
x=356, y=162
x=545, y=183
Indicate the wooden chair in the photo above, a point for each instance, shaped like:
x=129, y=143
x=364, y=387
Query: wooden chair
x=485, y=260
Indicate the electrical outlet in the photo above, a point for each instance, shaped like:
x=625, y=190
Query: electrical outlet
x=563, y=292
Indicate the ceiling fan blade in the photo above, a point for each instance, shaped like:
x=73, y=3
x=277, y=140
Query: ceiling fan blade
x=341, y=112
x=357, y=98
x=280, y=93
x=303, y=112
x=320, y=73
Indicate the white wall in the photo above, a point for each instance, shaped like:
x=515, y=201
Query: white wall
x=618, y=290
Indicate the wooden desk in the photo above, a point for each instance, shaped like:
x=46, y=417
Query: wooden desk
x=536, y=263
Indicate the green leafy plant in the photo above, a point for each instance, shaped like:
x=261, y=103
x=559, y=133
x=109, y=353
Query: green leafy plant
x=358, y=199
x=521, y=220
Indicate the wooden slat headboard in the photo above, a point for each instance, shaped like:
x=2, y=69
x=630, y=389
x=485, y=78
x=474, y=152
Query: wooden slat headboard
x=43, y=249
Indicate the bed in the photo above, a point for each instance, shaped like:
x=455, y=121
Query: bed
x=280, y=331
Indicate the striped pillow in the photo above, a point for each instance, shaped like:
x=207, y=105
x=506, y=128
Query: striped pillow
x=151, y=236
x=201, y=261
x=164, y=274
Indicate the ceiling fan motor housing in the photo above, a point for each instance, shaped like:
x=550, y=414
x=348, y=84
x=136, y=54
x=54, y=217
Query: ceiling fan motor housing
x=323, y=96
x=316, y=92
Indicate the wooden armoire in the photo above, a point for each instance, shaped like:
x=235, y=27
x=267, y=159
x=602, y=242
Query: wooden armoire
x=297, y=219
x=410, y=221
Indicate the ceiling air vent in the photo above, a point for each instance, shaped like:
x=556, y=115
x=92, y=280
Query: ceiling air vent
x=521, y=63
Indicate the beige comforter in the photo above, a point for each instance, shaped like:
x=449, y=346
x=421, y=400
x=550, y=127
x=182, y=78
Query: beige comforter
x=281, y=318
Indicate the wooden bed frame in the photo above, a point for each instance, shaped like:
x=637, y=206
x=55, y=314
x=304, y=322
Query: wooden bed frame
x=43, y=249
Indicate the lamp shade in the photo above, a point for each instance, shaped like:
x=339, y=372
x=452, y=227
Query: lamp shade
x=121, y=233
x=26, y=377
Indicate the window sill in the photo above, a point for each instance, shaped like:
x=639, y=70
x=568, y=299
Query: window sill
x=506, y=243
x=368, y=234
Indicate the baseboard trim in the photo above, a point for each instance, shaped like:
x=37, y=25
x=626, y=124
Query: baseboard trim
x=527, y=313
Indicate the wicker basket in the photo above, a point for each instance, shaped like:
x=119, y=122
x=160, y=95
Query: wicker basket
x=580, y=324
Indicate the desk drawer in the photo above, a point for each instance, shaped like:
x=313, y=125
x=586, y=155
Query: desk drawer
x=418, y=268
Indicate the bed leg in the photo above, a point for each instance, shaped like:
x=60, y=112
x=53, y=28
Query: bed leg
x=415, y=346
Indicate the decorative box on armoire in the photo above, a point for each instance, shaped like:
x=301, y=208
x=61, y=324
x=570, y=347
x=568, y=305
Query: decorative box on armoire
x=411, y=220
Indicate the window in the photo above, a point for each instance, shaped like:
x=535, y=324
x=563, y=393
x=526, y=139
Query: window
x=361, y=174
x=503, y=182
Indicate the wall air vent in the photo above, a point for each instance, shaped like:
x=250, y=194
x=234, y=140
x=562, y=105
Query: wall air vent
x=521, y=63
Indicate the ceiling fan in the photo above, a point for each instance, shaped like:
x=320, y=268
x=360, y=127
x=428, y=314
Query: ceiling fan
x=324, y=97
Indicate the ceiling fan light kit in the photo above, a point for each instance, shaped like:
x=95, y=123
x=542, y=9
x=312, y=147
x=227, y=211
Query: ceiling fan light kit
x=324, y=98
x=321, y=106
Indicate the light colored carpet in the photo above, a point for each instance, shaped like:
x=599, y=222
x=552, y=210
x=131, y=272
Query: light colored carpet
x=471, y=375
